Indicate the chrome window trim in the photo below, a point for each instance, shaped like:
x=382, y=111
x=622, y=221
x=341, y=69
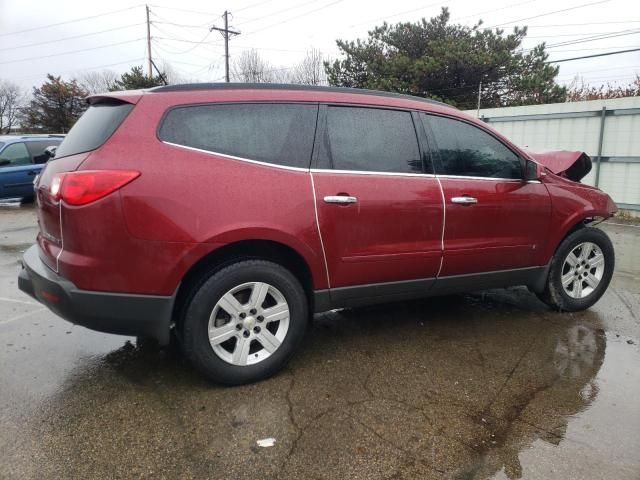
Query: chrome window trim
x=371, y=172
x=466, y=177
x=315, y=209
x=233, y=157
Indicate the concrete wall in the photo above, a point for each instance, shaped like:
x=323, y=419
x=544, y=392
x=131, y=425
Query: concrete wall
x=576, y=126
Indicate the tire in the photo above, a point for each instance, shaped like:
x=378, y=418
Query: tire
x=244, y=347
x=582, y=291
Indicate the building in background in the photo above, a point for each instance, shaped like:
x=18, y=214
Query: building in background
x=607, y=130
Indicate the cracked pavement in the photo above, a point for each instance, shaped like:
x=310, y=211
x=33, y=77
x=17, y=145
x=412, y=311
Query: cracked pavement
x=486, y=385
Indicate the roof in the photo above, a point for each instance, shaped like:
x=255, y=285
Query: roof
x=185, y=87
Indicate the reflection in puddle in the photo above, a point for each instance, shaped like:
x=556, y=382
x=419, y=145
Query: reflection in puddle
x=459, y=391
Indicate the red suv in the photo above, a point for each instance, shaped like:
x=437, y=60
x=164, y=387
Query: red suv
x=228, y=213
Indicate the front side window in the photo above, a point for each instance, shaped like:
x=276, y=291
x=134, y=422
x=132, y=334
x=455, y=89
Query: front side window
x=466, y=150
x=370, y=139
x=281, y=134
x=14, y=155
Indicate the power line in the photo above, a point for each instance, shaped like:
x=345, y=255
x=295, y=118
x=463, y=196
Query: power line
x=596, y=55
x=71, y=21
x=180, y=25
x=294, y=18
x=72, y=51
x=133, y=60
x=594, y=38
x=581, y=24
x=493, y=10
x=284, y=10
x=550, y=13
x=402, y=13
x=47, y=42
x=253, y=5
x=198, y=12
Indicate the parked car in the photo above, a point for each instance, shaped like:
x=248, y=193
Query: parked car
x=228, y=213
x=21, y=160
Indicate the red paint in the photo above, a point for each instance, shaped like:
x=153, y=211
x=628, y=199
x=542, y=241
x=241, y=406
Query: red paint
x=145, y=236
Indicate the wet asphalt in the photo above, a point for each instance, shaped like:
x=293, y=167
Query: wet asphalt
x=486, y=385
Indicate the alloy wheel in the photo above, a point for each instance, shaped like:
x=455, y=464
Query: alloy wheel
x=582, y=270
x=249, y=323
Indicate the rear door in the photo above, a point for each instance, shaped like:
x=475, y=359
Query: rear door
x=379, y=210
x=17, y=171
x=494, y=219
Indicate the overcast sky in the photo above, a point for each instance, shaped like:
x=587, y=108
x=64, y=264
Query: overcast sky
x=35, y=34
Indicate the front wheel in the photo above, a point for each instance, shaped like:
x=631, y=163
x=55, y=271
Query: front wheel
x=581, y=270
x=244, y=322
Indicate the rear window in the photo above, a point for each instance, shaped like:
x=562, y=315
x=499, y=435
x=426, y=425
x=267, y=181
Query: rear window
x=93, y=128
x=281, y=134
x=1, y=145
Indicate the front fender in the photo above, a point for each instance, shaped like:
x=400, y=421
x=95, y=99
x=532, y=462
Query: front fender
x=572, y=204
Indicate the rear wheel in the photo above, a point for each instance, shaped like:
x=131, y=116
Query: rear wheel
x=581, y=270
x=244, y=322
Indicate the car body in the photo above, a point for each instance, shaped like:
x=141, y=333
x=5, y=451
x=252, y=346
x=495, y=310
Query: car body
x=21, y=160
x=351, y=197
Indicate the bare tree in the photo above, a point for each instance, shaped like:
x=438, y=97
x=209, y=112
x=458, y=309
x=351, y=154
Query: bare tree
x=578, y=90
x=250, y=67
x=11, y=98
x=311, y=70
x=97, y=81
x=172, y=76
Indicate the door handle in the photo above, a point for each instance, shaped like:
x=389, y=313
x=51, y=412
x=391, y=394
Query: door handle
x=464, y=200
x=340, y=199
x=32, y=172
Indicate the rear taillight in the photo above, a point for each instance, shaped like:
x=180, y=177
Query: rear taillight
x=86, y=186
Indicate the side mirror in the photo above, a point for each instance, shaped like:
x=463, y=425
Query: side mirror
x=51, y=151
x=4, y=163
x=533, y=171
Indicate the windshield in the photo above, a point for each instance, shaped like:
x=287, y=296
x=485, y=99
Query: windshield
x=93, y=128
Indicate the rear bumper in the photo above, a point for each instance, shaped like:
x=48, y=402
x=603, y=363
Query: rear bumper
x=123, y=314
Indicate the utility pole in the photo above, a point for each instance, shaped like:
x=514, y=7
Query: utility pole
x=149, y=43
x=225, y=33
x=479, y=96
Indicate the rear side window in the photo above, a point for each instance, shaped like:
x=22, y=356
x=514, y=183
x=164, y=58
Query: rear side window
x=281, y=134
x=93, y=128
x=466, y=150
x=370, y=139
x=36, y=149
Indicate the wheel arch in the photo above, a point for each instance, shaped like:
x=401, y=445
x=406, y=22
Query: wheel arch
x=585, y=219
x=270, y=250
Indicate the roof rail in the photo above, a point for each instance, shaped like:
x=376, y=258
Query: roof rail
x=285, y=86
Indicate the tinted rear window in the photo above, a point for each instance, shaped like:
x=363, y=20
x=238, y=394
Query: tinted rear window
x=95, y=126
x=281, y=134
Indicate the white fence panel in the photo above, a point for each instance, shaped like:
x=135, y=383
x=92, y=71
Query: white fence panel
x=576, y=126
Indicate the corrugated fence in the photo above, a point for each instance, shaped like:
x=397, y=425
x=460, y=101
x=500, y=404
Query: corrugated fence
x=607, y=130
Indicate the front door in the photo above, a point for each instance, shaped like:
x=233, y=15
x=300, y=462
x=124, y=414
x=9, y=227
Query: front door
x=494, y=219
x=17, y=171
x=380, y=215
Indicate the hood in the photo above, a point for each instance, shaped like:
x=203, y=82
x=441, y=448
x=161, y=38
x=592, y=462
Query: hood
x=572, y=165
